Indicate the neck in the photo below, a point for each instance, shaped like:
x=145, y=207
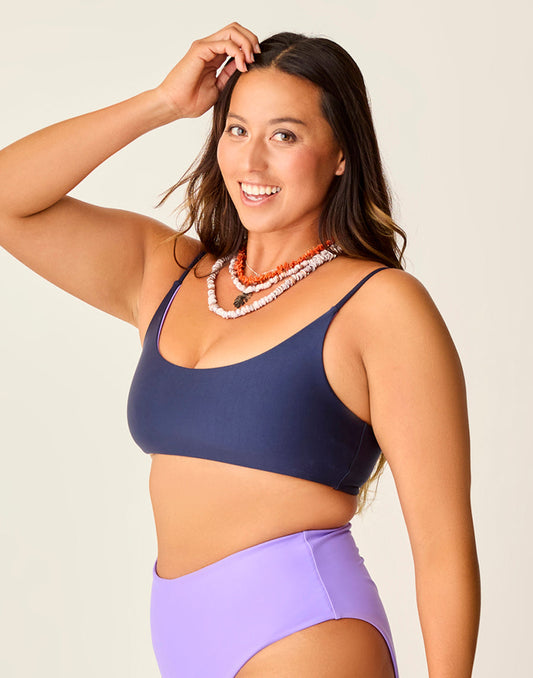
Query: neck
x=265, y=254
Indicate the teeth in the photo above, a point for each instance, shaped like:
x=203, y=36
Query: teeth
x=249, y=189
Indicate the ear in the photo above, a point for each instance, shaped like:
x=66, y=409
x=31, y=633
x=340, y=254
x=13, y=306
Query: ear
x=341, y=164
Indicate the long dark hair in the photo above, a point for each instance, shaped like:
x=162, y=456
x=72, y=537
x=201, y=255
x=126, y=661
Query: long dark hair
x=357, y=209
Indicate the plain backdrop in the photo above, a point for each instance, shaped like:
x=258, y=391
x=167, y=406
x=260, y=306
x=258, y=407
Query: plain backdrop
x=450, y=89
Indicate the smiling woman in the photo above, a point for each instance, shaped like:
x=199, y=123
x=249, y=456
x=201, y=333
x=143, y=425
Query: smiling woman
x=300, y=159
x=268, y=414
x=314, y=89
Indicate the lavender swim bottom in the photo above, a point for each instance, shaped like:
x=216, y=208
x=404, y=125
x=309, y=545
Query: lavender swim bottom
x=210, y=622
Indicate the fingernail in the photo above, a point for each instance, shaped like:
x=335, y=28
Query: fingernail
x=257, y=48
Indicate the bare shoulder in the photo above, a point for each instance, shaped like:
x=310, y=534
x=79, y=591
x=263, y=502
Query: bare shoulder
x=396, y=309
x=167, y=256
x=393, y=286
x=163, y=242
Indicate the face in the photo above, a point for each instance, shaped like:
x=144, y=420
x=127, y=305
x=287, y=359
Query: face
x=276, y=136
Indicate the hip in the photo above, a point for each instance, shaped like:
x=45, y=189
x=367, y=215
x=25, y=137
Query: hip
x=257, y=596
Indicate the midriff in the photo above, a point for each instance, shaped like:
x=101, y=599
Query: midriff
x=205, y=510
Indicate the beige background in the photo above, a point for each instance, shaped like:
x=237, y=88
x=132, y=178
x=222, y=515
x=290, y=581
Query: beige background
x=450, y=86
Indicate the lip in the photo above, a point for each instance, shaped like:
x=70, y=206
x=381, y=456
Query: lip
x=256, y=203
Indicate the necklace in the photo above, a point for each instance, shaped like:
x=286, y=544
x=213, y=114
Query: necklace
x=251, y=269
x=263, y=281
x=240, y=263
x=290, y=277
x=248, y=289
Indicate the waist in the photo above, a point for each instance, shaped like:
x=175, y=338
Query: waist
x=206, y=510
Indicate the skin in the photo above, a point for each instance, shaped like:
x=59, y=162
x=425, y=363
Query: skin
x=388, y=354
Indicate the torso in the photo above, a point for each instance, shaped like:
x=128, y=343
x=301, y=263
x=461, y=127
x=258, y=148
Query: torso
x=205, y=510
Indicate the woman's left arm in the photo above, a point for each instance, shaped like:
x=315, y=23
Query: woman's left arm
x=419, y=414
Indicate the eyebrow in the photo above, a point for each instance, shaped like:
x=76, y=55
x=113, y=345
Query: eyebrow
x=274, y=121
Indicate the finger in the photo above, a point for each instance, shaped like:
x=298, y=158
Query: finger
x=225, y=74
x=252, y=37
x=246, y=40
x=218, y=60
x=208, y=50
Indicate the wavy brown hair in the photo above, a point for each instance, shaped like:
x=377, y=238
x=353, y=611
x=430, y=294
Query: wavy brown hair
x=357, y=210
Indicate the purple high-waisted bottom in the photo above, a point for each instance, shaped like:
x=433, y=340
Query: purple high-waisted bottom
x=210, y=622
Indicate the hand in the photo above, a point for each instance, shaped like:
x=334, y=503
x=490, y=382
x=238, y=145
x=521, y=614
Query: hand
x=192, y=86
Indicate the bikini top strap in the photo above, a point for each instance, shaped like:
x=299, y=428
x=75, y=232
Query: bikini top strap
x=359, y=284
x=193, y=262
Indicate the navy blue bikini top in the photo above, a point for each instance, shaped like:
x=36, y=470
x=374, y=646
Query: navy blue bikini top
x=275, y=412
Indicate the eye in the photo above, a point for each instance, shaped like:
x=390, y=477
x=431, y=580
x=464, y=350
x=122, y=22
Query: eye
x=232, y=127
x=290, y=135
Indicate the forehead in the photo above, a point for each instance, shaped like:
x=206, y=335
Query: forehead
x=264, y=94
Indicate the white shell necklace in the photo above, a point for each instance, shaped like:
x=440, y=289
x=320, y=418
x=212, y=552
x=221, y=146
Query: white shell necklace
x=290, y=277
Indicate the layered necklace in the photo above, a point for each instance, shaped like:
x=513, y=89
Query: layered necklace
x=287, y=273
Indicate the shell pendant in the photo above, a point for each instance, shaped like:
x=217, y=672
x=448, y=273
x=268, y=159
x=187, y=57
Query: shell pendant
x=241, y=299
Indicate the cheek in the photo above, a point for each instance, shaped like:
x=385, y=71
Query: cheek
x=221, y=155
x=310, y=171
x=224, y=156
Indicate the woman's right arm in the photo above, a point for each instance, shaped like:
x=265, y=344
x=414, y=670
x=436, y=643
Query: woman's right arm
x=95, y=253
x=92, y=252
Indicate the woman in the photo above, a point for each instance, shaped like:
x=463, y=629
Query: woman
x=297, y=357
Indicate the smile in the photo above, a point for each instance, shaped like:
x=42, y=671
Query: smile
x=258, y=194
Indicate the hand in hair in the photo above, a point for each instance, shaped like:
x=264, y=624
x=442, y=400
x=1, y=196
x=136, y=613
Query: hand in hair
x=192, y=86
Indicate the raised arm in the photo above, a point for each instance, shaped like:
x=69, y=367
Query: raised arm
x=98, y=254
x=92, y=252
x=419, y=414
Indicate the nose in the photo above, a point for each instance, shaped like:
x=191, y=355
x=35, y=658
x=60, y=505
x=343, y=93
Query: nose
x=255, y=154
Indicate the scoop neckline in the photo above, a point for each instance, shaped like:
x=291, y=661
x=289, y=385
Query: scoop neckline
x=240, y=362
